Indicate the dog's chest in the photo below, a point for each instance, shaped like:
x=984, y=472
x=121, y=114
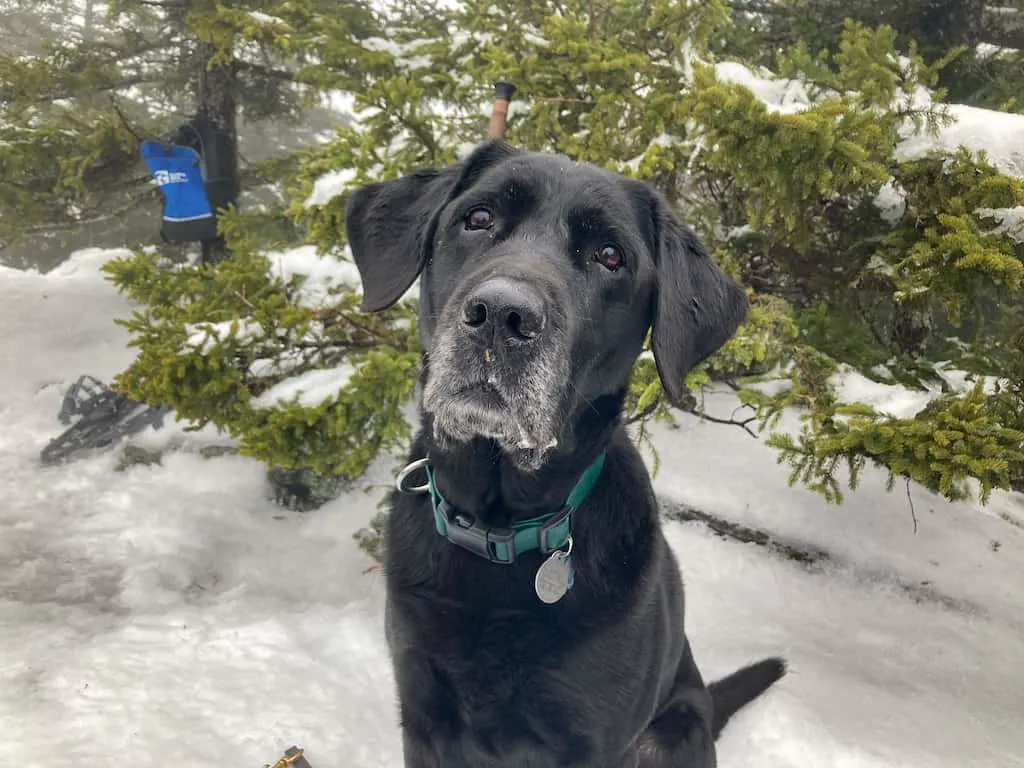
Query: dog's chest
x=491, y=689
x=493, y=656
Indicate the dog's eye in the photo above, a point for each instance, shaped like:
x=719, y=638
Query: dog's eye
x=609, y=257
x=479, y=218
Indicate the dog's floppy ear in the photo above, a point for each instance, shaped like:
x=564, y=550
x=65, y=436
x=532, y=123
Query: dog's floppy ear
x=390, y=224
x=697, y=307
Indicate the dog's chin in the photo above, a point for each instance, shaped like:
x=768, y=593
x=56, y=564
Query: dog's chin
x=482, y=411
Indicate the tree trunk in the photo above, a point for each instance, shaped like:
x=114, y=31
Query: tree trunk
x=911, y=327
x=215, y=88
x=215, y=97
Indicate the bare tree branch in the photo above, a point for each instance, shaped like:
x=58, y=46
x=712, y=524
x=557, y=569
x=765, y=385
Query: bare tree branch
x=744, y=424
x=910, y=501
x=694, y=409
x=70, y=91
x=265, y=71
x=642, y=415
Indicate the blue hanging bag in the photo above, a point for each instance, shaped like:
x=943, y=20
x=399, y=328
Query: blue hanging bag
x=178, y=171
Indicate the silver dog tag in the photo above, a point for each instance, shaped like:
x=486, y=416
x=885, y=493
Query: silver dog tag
x=552, y=579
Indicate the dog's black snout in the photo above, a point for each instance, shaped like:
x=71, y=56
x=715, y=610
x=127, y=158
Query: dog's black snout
x=506, y=310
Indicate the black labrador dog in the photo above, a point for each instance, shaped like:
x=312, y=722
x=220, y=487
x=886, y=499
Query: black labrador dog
x=534, y=610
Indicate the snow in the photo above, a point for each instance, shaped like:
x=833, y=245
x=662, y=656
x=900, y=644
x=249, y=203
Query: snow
x=323, y=275
x=898, y=401
x=329, y=186
x=264, y=18
x=891, y=202
x=341, y=102
x=312, y=388
x=1000, y=134
x=321, y=279
x=961, y=381
x=534, y=37
x=950, y=560
x=1009, y=221
x=173, y=615
x=404, y=54
x=890, y=399
x=778, y=94
x=989, y=51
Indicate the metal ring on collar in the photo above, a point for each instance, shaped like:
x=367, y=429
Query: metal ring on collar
x=408, y=470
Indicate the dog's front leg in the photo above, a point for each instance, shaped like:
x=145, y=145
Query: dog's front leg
x=428, y=711
x=417, y=752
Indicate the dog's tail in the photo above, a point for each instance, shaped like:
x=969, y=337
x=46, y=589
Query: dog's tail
x=735, y=691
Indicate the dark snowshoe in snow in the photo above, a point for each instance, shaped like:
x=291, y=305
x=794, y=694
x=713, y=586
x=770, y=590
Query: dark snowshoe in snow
x=106, y=417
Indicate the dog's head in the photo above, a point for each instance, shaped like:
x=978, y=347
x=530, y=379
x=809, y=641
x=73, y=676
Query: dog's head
x=540, y=278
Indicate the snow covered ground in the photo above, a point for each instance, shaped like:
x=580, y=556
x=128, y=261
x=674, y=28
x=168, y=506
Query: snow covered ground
x=172, y=615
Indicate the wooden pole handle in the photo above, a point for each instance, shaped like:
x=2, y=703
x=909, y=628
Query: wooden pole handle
x=503, y=93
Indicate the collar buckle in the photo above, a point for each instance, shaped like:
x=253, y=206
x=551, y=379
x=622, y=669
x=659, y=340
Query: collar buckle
x=498, y=545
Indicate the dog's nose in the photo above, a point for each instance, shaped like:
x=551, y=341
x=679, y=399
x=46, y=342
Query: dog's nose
x=505, y=310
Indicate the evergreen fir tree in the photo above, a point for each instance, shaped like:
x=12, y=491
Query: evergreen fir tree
x=984, y=41
x=94, y=85
x=788, y=199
